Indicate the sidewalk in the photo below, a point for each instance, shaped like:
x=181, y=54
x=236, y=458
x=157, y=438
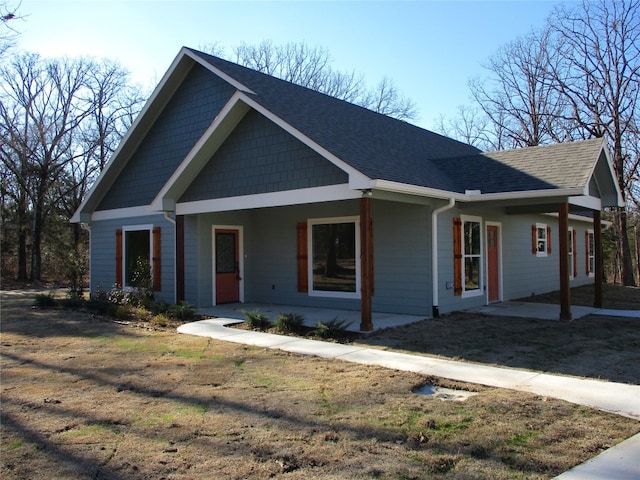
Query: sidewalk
x=620, y=463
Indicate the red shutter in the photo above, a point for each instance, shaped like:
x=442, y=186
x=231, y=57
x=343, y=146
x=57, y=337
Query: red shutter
x=549, y=240
x=302, y=257
x=119, y=258
x=457, y=256
x=534, y=239
x=157, y=260
x=586, y=252
x=575, y=254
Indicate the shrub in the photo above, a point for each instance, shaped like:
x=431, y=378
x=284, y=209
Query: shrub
x=43, y=300
x=256, y=319
x=160, y=320
x=332, y=329
x=158, y=306
x=289, y=322
x=72, y=302
x=182, y=311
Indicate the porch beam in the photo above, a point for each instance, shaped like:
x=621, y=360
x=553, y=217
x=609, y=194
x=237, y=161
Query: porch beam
x=366, y=263
x=597, y=246
x=563, y=238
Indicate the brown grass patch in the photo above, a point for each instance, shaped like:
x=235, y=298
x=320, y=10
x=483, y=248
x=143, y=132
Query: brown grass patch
x=87, y=398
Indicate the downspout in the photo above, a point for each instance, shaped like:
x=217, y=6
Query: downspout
x=167, y=216
x=434, y=254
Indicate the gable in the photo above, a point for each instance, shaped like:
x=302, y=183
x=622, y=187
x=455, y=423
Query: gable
x=260, y=157
x=184, y=119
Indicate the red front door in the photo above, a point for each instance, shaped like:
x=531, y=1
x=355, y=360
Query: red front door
x=227, y=266
x=493, y=263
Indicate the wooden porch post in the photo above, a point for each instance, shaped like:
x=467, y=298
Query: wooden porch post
x=597, y=246
x=366, y=267
x=563, y=238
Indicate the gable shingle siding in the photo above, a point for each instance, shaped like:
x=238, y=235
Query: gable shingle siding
x=260, y=157
x=181, y=124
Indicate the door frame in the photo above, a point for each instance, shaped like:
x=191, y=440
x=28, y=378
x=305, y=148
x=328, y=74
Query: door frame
x=499, y=272
x=240, y=230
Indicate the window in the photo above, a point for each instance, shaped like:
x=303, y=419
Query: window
x=591, y=256
x=334, y=263
x=541, y=240
x=137, y=253
x=472, y=256
x=137, y=247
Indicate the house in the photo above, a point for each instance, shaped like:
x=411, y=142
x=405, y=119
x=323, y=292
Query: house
x=240, y=187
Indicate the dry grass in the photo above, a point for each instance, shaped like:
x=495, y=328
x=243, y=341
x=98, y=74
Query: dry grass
x=87, y=398
x=595, y=346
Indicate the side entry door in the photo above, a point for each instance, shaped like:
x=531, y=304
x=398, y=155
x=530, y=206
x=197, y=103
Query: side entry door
x=227, y=266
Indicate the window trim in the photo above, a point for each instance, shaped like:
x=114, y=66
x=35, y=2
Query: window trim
x=480, y=290
x=135, y=228
x=355, y=219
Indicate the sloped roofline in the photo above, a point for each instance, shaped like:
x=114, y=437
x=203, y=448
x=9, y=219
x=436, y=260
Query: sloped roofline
x=244, y=97
x=168, y=84
x=187, y=170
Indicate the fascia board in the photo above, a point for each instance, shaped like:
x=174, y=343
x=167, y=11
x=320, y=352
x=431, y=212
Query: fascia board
x=151, y=109
x=586, y=201
x=471, y=197
x=560, y=192
x=607, y=160
x=397, y=187
x=230, y=115
x=328, y=193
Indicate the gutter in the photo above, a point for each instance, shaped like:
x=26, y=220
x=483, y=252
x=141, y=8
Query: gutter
x=434, y=254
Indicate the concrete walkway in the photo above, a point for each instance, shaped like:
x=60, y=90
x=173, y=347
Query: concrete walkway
x=620, y=463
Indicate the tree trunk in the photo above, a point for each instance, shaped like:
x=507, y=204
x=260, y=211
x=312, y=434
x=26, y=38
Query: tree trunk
x=36, y=248
x=627, y=276
x=22, y=227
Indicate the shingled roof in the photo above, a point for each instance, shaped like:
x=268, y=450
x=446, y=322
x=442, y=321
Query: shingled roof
x=384, y=153
x=559, y=166
x=384, y=148
x=378, y=146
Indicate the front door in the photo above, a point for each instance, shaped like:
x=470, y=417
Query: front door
x=227, y=266
x=493, y=263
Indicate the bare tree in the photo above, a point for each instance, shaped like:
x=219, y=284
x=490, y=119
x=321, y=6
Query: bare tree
x=59, y=122
x=8, y=16
x=311, y=67
x=517, y=96
x=599, y=76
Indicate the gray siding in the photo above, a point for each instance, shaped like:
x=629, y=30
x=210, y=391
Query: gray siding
x=401, y=246
x=103, y=253
x=260, y=157
x=183, y=121
x=524, y=274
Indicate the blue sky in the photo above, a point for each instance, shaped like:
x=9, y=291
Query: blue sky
x=429, y=48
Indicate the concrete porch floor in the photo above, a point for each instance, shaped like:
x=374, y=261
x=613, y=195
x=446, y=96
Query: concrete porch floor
x=312, y=316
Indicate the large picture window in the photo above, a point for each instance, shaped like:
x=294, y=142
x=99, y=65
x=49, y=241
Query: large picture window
x=472, y=255
x=335, y=257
